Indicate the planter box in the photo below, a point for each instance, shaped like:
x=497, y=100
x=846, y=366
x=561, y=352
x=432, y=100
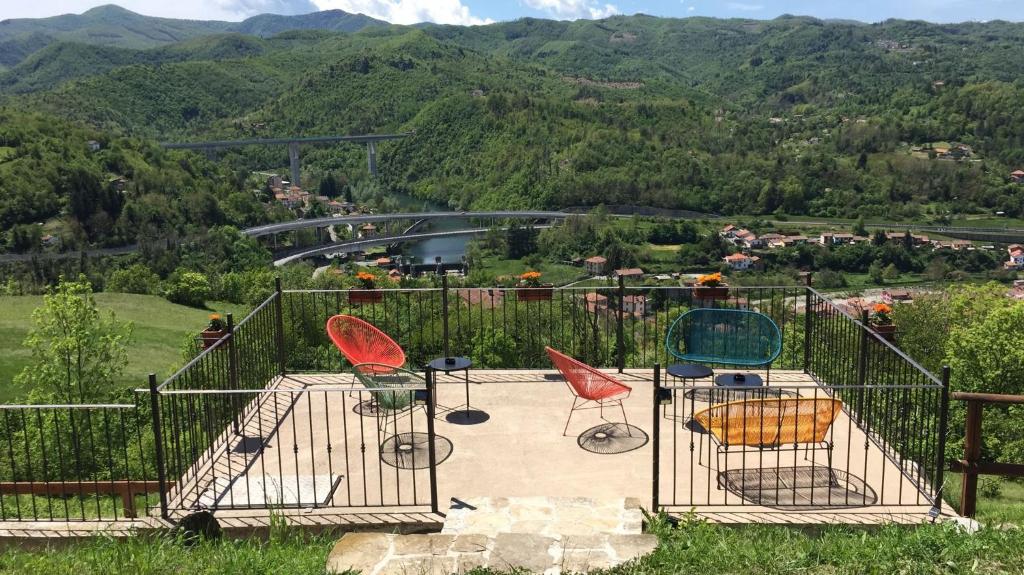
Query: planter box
x=211, y=336
x=717, y=292
x=543, y=293
x=365, y=296
x=886, y=332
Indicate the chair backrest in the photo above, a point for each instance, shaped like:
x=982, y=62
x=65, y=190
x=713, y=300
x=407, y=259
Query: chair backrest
x=724, y=336
x=361, y=342
x=770, y=422
x=393, y=387
x=585, y=381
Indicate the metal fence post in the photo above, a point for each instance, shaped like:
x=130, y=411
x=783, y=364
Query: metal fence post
x=279, y=326
x=431, y=456
x=808, y=323
x=862, y=364
x=656, y=440
x=620, y=343
x=161, y=473
x=444, y=312
x=940, y=456
x=232, y=371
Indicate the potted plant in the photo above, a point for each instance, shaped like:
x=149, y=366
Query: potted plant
x=711, y=286
x=214, y=332
x=881, y=322
x=369, y=292
x=533, y=289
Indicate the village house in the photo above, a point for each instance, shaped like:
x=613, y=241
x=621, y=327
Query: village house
x=394, y=274
x=728, y=232
x=629, y=273
x=835, y=238
x=595, y=302
x=94, y=146
x=383, y=262
x=50, y=241
x=367, y=230
x=595, y=265
x=275, y=182
x=635, y=304
x=740, y=262
x=1016, y=261
x=745, y=239
x=1017, y=177
x=796, y=240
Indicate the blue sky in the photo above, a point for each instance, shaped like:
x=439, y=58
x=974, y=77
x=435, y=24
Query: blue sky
x=482, y=11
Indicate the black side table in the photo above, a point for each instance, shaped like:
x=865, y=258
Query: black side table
x=467, y=416
x=684, y=371
x=739, y=380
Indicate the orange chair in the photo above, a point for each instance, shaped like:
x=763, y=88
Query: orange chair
x=771, y=423
x=362, y=343
x=588, y=384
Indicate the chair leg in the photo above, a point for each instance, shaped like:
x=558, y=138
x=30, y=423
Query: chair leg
x=623, y=409
x=566, y=430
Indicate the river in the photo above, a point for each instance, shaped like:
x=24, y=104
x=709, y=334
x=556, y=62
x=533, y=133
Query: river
x=450, y=249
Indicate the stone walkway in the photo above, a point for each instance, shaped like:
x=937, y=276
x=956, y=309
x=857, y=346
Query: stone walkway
x=536, y=534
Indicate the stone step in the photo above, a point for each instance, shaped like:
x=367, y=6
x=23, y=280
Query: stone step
x=551, y=516
x=442, y=554
x=536, y=534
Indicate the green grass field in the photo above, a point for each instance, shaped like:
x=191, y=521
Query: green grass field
x=160, y=330
x=557, y=274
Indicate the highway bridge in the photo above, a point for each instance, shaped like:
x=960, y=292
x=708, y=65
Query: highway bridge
x=293, y=225
x=366, y=243
x=293, y=144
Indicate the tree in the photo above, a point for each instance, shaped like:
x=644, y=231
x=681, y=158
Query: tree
x=859, y=229
x=875, y=273
x=77, y=351
x=187, y=288
x=890, y=273
x=134, y=279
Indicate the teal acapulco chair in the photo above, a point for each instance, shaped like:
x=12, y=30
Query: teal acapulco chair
x=730, y=337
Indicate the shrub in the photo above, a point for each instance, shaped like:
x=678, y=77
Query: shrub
x=134, y=279
x=829, y=279
x=187, y=288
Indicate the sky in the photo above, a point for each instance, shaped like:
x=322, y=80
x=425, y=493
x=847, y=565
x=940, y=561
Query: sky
x=485, y=11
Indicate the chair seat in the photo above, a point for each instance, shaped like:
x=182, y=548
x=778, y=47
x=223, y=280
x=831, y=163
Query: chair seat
x=689, y=371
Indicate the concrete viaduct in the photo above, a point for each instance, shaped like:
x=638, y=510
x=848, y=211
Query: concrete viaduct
x=293, y=146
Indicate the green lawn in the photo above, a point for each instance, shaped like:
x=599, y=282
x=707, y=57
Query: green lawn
x=160, y=330
x=691, y=547
x=557, y=274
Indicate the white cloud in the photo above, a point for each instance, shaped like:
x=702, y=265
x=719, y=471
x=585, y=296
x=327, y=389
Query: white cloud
x=573, y=9
x=744, y=7
x=408, y=11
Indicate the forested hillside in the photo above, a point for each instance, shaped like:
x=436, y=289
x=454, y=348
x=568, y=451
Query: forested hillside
x=119, y=191
x=794, y=115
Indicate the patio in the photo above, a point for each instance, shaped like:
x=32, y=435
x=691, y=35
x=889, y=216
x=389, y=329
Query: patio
x=314, y=440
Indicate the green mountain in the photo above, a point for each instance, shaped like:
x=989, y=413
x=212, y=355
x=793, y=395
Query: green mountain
x=266, y=25
x=794, y=115
x=114, y=26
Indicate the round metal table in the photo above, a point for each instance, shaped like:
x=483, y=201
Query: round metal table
x=468, y=415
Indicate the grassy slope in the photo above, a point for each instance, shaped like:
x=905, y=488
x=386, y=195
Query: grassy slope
x=160, y=330
x=691, y=548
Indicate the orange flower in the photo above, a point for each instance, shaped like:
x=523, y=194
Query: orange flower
x=882, y=308
x=530, y=276
x=710, y=280
x=214, y=316
x=365, y=276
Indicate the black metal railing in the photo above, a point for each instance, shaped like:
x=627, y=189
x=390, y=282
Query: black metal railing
x=74, y=462
x=231, y=429
x=315, y=446
x=618, y=326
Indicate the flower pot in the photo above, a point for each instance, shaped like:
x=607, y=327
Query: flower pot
x=365, y=296
x=886, y=332
x=542, y=293
x=211, y=336
x=712, y=293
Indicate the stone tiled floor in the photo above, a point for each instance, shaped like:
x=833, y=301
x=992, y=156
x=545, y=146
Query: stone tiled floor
x=519, y=451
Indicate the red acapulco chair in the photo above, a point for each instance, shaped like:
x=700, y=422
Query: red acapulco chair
x=589, y=385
